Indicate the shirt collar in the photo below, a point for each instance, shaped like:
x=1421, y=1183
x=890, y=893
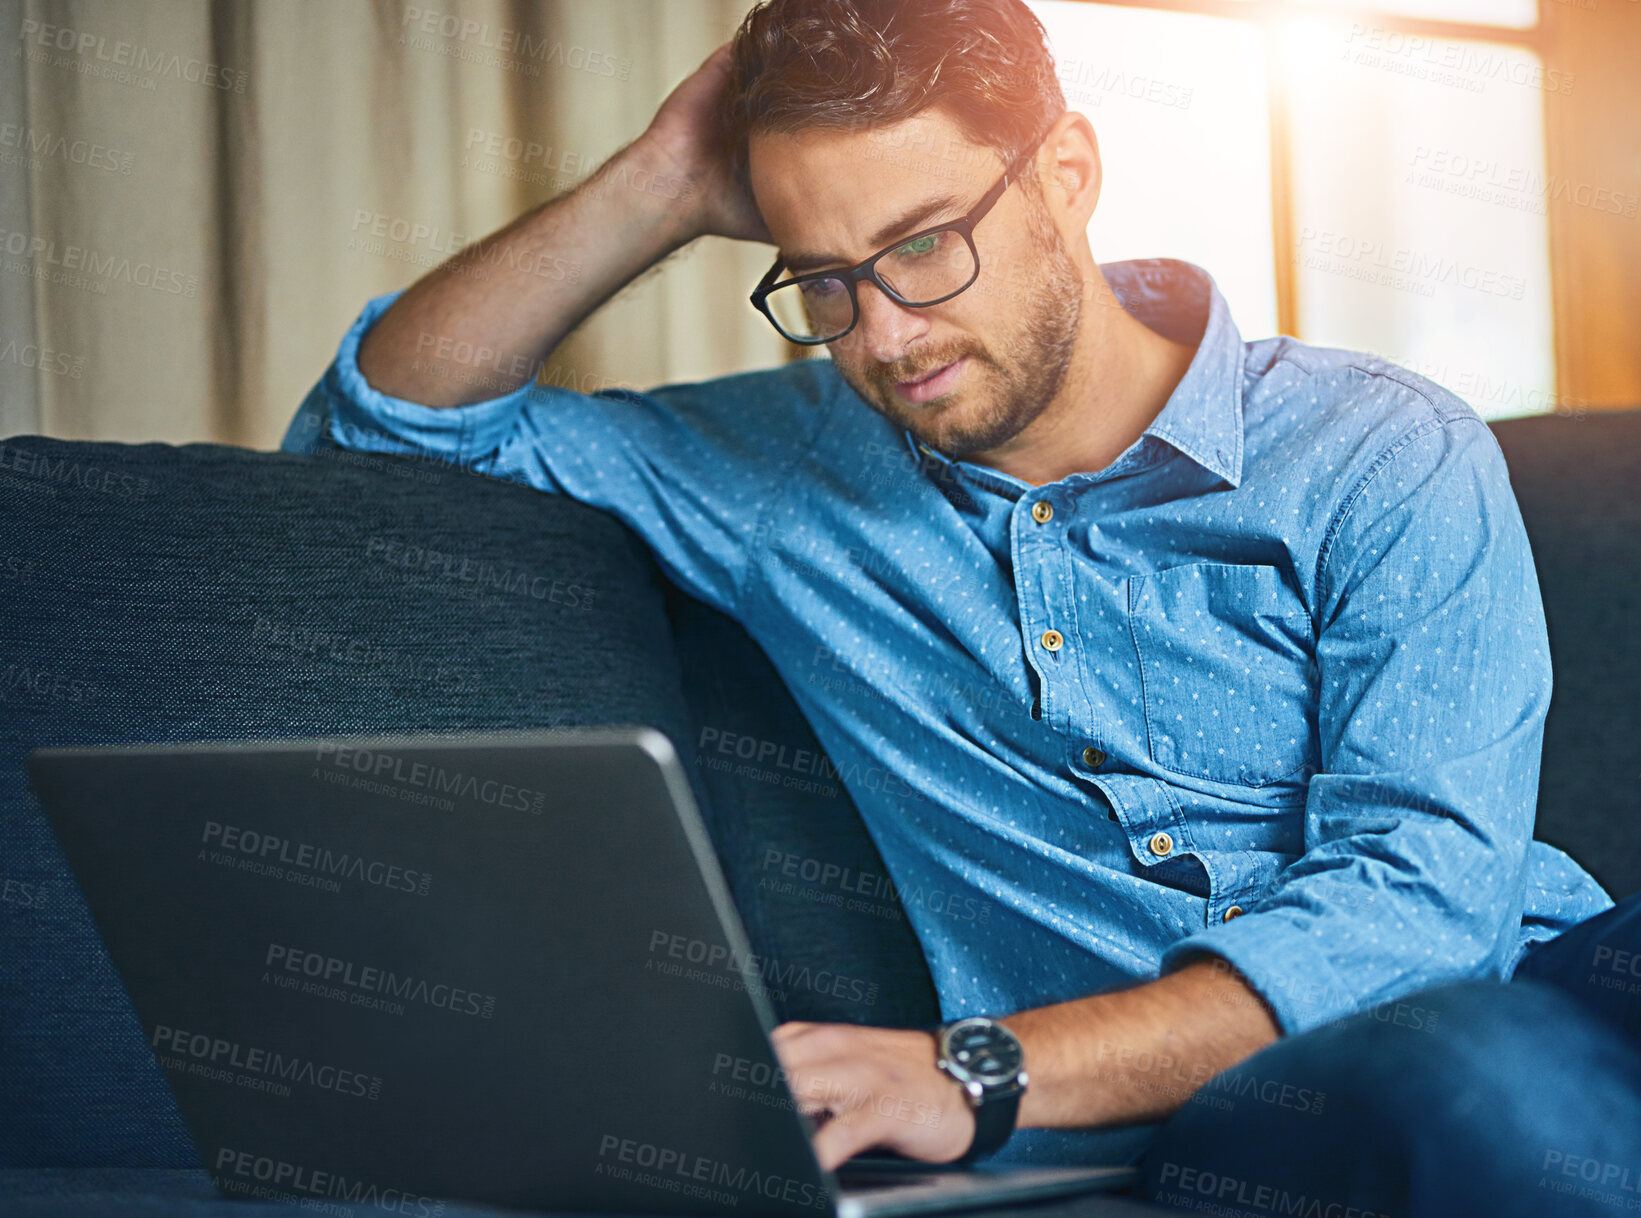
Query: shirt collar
x=1202, y=418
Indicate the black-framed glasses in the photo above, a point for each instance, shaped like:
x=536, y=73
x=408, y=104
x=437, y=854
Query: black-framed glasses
x=924, y=269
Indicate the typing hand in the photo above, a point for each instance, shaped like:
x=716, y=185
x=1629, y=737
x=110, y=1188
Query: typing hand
x=874, y=1088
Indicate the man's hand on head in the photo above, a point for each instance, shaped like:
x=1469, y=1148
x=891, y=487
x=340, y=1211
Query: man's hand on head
x=874, y=1088
x=686, y=131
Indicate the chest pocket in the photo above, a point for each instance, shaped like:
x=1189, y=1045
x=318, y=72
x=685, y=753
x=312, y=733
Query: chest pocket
x=1226, y=659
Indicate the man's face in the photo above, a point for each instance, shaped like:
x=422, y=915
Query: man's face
x=991, y=359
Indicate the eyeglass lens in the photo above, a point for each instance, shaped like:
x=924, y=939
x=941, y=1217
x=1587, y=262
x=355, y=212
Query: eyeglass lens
x=921, y=272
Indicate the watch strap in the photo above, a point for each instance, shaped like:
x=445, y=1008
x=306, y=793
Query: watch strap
x=994, y=1120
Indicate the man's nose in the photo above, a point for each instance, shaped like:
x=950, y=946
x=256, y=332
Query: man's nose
x=886, y=328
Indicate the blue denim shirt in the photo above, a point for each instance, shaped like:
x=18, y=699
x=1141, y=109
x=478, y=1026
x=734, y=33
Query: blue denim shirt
x=1292, y=713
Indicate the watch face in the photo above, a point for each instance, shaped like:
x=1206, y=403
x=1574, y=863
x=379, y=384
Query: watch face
x=985, y=1051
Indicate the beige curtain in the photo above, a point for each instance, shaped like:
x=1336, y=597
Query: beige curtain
x=198, y=197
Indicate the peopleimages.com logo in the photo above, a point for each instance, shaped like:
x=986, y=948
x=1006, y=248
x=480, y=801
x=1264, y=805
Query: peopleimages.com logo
x=677, y=955
x=334, y=972
x=255, y=1175
x=385, y=767
x=239, y=844
x=224, y=1060
x=682, y=1172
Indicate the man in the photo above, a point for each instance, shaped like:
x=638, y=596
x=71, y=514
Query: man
x=1248, y=648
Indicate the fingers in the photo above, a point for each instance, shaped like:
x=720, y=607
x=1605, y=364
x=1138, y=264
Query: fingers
x=849, y=1113
x=794, y=1027
x=873, y=1087
x=809, y=1061
x=799, y=1044
x=847, y=1135
x=862, y=1115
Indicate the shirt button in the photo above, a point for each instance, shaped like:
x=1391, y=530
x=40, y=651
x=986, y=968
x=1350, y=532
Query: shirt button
x=1052, y=639
x=1042, y=511
x=1234, y=911
x=1093, y=756
x=1160, y=844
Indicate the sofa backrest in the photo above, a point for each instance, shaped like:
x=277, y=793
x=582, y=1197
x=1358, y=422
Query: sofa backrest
x=1578, y=481
x=157, y=593
x=807, y=878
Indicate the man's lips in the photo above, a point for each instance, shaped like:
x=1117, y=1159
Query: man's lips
x=940, y=381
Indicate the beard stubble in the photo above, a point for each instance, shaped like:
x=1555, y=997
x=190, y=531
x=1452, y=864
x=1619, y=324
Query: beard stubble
x=1005, y=389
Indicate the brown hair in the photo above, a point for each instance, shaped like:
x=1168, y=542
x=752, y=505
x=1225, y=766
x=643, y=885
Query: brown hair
x=845, y=64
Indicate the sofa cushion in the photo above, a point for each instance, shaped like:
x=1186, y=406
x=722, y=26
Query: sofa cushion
x=1578, y=481
x=805, y=874
x=158, y=593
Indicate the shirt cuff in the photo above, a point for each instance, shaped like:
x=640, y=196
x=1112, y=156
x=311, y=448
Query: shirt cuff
x=1282, y=963
x=362, y=417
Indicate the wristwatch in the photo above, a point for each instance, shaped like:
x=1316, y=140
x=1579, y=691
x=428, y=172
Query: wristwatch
x=989, y=1064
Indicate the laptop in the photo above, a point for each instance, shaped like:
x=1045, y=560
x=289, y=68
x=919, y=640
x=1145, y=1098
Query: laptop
x=500, y=967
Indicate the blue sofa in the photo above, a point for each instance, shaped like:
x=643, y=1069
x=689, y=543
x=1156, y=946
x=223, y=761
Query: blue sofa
x=151, y=592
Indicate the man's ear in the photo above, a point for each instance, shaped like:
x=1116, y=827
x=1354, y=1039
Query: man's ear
x=1071, y=162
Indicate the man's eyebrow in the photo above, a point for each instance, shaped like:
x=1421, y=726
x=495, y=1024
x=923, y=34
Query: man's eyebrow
x=797, y=263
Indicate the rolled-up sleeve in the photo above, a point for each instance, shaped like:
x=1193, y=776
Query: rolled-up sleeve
x=360, y=417
x=1434, y=673
x=691, y=468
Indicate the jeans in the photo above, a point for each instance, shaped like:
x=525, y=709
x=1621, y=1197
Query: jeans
x=1492, y=1099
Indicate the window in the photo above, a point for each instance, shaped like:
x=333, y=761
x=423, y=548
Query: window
x=1373, y=182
